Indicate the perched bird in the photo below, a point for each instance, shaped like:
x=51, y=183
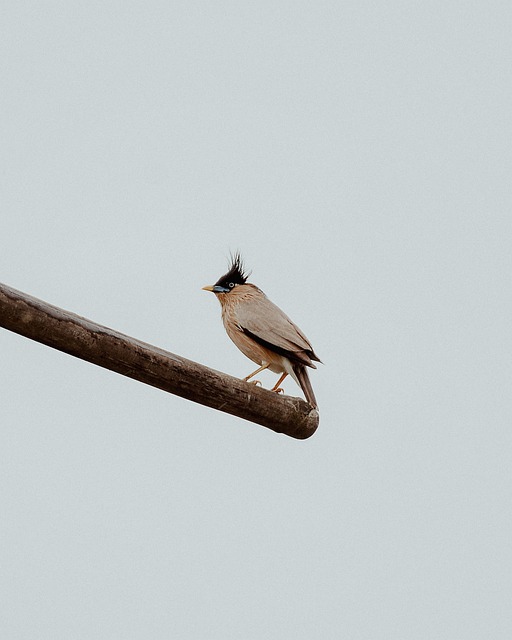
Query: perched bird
x=262, y=331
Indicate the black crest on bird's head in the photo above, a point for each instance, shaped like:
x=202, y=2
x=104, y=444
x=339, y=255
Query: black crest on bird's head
x=235, y=275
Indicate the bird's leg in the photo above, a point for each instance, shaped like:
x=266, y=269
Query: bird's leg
x=262, y=368
x=276, y=386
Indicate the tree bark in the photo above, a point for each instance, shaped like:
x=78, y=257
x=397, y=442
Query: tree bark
x=112, y=350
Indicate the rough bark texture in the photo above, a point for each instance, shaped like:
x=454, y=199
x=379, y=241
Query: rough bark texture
x=112, y=350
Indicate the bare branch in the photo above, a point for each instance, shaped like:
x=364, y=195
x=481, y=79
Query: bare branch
x=112, y=350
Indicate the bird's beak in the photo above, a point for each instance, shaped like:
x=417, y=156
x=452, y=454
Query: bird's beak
x=216, y=288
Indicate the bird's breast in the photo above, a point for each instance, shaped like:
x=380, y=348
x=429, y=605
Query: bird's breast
x=247, y=345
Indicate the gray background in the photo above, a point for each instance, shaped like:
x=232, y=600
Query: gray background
x=358, y=154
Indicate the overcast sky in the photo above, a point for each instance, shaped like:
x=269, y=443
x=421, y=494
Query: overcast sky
x=359, y=156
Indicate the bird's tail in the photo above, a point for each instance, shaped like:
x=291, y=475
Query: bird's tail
x=303, y=379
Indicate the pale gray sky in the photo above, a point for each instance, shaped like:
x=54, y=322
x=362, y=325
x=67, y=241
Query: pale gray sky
x=358, y=154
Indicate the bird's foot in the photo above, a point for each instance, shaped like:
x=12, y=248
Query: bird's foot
x=279, y=390
x=256, y=382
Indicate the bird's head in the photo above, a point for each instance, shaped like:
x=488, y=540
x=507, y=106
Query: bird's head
x=233, y=278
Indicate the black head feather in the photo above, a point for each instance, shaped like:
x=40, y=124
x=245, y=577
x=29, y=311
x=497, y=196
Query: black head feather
x=235, y=275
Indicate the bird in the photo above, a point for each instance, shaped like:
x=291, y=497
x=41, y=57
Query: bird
x=263, y=332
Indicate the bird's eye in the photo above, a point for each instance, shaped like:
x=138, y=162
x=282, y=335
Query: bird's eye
x=231, y=285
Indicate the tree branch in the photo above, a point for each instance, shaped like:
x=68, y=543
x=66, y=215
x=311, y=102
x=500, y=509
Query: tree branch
x=112, y=350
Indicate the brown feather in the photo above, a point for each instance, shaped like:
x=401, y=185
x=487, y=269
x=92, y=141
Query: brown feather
x=266, y=335
x=265, y=321
x=302, y=376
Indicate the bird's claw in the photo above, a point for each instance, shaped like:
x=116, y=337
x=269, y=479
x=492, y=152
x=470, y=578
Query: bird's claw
x=278, y=390
x=256, y=382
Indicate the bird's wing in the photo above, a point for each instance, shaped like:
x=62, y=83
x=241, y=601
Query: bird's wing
x=265, y=321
